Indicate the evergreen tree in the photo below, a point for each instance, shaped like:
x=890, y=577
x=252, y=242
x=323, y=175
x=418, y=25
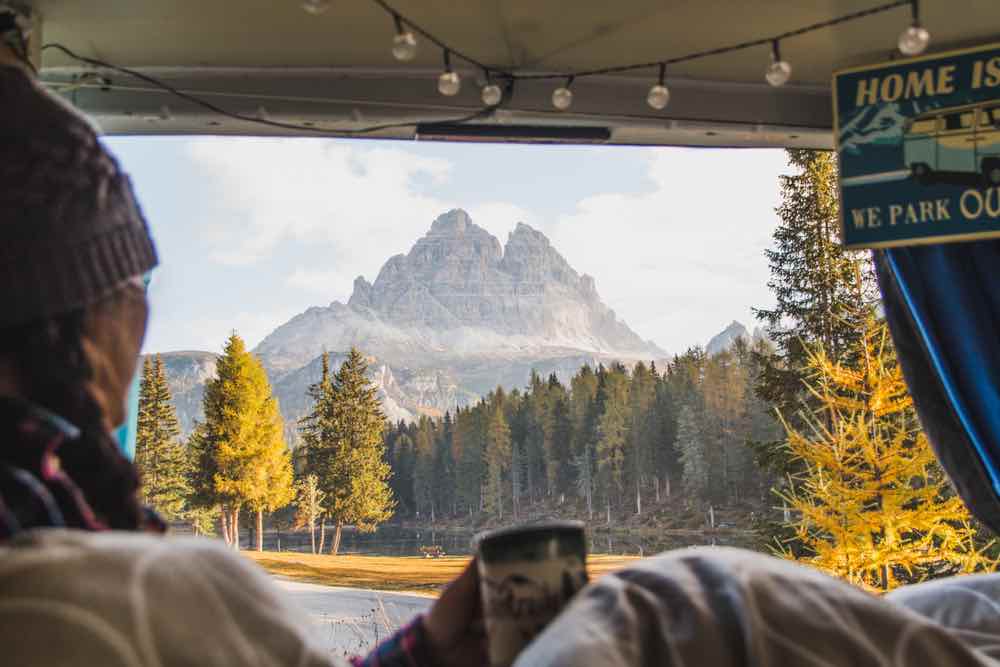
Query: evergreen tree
x=498, y=456
x=693, y=457
x=872, y=504
x=355, y=473
x=612, y=435
x=444, y=466
x=159, y=453
x=309, y=499
x=242, y=457
x=424, y=483
x=817, y=285
x=641, y=431
x=665, y=465
x=470, y=443
x=561, y=465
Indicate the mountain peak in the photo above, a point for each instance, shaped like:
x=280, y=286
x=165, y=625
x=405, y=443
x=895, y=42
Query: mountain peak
x=459, y=294
x=452, y=223
x=725, y=339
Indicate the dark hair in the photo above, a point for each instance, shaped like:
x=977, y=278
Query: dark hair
x=53, y=371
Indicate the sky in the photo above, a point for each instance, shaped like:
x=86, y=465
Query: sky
x=252, y=231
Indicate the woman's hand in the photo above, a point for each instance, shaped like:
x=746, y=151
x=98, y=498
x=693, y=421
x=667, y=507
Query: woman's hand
x=454, y=624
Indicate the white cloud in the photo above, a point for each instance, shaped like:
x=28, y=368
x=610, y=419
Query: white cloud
x=682, y=260
x=500, y=218
x=210, y=333
x=360, y=201
x=330, y=283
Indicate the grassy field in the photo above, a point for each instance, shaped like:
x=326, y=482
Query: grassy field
x=401, y=574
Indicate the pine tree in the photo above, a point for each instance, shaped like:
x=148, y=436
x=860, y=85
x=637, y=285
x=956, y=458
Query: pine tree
x=470, y=439
x=612, y=439
x=354, y=472
x=243, y=459
x=309, y=504
x=873, y=505
x=423, y=468
x=665, y=466
x=817, y=285
x=159, y=453
x=641, y=435
x=693, y=458
x=497, y=455
x=444, y=466
x=561, y=465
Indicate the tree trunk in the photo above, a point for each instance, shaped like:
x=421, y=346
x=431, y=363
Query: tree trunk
x=609, y=511
x=224, y=526
x=312, y=535
x=260, y=530
x=666, y=485
x=638, y=498
x=656, y=485
x=322, y=534
x=432, y=512
x=234, y=525
x=711, y=517
x=335, y=547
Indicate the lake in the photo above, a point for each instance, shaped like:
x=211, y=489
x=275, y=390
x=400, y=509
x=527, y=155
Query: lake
x=398, y=541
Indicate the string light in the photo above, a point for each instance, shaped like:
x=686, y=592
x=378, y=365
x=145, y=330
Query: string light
x=448, y=83
x=562, y=97
x=914, y=40
x=492, y=95
x=404, y=44
x=316, y=7
x=659, y=95
x=779, y=71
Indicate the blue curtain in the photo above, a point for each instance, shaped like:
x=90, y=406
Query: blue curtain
x=942, y=303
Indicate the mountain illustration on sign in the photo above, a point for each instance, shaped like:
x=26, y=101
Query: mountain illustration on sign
x=442, y=325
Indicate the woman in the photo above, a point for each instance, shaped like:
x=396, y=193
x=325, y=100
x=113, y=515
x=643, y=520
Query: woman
x=85, y=577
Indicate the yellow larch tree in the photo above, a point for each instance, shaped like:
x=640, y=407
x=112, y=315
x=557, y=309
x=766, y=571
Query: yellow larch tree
x=872, y=505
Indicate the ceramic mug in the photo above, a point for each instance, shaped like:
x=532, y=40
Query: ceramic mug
x=527, y=575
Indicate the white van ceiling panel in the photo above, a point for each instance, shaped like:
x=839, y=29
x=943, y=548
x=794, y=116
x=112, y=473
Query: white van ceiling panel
x=270, y=59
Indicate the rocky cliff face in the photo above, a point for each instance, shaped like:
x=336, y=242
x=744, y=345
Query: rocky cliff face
x=459, y=294
x=453, y=318
x=187, y=372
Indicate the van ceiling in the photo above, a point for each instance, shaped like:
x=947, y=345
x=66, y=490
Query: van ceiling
x=270, y=59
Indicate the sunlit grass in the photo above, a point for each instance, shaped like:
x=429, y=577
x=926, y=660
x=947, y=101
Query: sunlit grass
x=412, y=574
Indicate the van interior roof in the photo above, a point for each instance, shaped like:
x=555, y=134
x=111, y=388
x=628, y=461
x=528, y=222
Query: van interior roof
x=270, y=59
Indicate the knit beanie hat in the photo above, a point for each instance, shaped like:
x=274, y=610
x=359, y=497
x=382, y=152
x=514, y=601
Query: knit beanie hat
x=70, y=229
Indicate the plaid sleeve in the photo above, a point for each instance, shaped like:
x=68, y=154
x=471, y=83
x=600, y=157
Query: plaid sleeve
x=407, y=648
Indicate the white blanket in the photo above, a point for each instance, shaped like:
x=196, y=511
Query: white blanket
x=116, y=599
x=718, y=607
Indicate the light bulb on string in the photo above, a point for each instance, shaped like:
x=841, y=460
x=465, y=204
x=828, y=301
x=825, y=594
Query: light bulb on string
x=659, y=94
x=914, y=39
x=404, y=44
x=562, y=97
x=779, y=71
x=491, y=94
x=449, y=82
x=315, y=7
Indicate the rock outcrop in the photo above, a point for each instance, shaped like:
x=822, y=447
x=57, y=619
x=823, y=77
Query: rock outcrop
x=459, y=294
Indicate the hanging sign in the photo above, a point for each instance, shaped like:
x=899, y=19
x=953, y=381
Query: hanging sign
x=918, y=142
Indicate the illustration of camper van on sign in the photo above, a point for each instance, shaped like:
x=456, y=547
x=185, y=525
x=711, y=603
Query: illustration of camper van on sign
x=918, y=146
x=959, y=140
